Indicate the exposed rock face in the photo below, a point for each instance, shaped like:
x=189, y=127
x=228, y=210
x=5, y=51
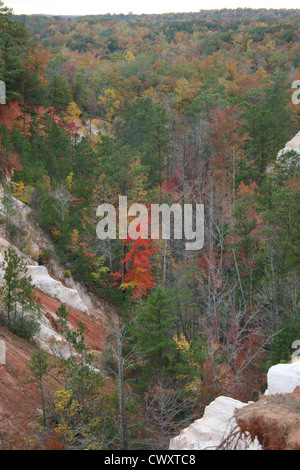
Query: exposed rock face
x=208, y=432
x=283, y=378
x=47, y=335
x=293, y=144
x=20, y=399
x=277, y=414
x=51, y=290
x=30, y=235
x=274, y=420
x=287, y=161
x=55, y=289
x=33, y=238
x=96, y=324
x=4, y=245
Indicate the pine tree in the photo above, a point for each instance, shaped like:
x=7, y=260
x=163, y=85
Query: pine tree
x=18, y=298
x=154, y=330
x=31, y=92
x=59, y=94
x=39, y=367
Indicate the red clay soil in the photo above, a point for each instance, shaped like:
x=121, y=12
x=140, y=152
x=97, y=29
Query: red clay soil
x=8, y=114
x=96, y=323
x=12, y=111
x=20, y=399
x=274, y=420
x=11, y=163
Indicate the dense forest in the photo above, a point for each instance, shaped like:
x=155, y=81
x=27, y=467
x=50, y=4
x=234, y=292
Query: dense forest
x=188, y=108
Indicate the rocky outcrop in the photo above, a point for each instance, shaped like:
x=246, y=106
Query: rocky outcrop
x=20, y=399
x=214, y=427
x=228, y=422
x=55, y=289
x=292, y=145
x=287, y=158
x=49, y=280
x=283, y=378
x=52, y=289
x=274, y=420
x=47, y=336
x=30, y=235
x=4, y=245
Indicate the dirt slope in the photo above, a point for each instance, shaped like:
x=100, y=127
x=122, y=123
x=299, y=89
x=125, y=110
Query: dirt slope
x=96, y=323
x=274, y=420
x=20, y=400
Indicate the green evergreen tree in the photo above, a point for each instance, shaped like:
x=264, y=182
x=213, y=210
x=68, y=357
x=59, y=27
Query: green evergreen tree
x=59, y=94
x=145, y=129
x=31, y=92
x=154, y=330
x=63, y=315
x=14, y=44
x=39, y=366
x=280, y=346
x=82, y=378
x=17, y=295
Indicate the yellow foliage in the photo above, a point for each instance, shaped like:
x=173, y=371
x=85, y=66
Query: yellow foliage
x=109, y=94
x=65, y=403
x=18, y=188
x=22, y=192
x=182, y=343
x=69, y=181
x=126, y=285
x=271, y=45
x=73, y=110
x=129, y=56
x=110, y=102
x=186, y=90
x=179, y=37
x=74, y=238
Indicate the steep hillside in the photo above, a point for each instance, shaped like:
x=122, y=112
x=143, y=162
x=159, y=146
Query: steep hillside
x=188, y=111
x=271, y=423
x=20, y=398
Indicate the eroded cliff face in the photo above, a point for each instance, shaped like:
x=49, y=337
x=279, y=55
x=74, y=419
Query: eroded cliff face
x=271, y=423
x=217, y=423
x=20, y=399
x=273, y=420
x=292, y=145
x=288, y=157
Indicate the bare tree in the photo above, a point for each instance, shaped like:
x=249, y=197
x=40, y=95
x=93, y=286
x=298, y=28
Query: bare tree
x=64, y=199
x=117, y=363
x=165, y=407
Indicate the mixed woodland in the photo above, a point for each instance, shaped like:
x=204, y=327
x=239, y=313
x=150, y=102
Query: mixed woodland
x=189, y=108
